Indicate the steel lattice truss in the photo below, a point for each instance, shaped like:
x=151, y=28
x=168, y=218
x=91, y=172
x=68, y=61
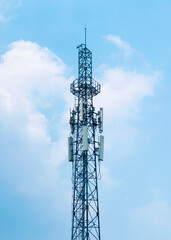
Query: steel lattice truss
x=85, y=216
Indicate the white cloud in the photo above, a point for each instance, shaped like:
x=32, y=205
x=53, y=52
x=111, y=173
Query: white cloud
x=59, y=149
x=37, y=127
x=33, y=91
x=8, y=8
x=30, y=76
x=123, y=45
x=122, y=94
x=123, y=90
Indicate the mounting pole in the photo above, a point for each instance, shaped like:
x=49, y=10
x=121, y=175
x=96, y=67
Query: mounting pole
x=85, y=35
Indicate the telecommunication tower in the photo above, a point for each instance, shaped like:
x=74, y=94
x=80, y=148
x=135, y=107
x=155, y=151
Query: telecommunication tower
x=85, y=148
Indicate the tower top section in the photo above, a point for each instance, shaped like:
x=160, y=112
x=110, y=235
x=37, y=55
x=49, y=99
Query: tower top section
x=84, y=84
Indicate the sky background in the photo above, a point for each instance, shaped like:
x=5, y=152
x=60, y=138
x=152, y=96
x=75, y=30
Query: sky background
x=131, y=45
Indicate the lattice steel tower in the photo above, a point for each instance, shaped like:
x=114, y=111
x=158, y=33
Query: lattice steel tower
x=85, y=150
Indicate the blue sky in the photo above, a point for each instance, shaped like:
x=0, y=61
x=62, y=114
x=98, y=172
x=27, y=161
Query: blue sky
x=131, y=45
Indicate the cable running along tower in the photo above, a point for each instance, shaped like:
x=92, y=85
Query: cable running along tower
x=85, y=150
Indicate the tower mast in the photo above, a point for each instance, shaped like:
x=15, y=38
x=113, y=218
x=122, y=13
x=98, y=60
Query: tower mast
x=85, y=150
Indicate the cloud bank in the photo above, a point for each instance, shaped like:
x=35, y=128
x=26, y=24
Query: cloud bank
x=34, y=107
x=32, y=85
x=35, y=98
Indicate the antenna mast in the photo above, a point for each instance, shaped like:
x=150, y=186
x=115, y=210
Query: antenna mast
x=85, y=36
x=85, y=150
